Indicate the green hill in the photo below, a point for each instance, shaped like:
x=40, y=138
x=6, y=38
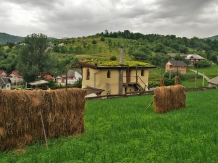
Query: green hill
x=213, y=37
x=4, y=38
x=149, y=48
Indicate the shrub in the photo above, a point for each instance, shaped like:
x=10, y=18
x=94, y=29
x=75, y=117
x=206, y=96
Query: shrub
x=102, y=39
x=94, y=42
x=113, y=58
x=173, y=74
x=204, y=63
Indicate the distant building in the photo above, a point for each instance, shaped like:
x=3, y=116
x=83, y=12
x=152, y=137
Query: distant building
x=193, y=58
x=175, y=65
x=72, y=77
x=213, y=82
x=172, y=54
x=61, y=44
x=3, y=73
x=15, y=77
x=5, y=83
x=48, y=76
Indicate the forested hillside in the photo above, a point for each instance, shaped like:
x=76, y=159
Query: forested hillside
x=152, y=48
x=6, y=38
x=213, y=37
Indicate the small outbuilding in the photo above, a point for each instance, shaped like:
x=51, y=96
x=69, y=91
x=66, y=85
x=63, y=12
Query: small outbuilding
x=213, y=82
x=39, y=84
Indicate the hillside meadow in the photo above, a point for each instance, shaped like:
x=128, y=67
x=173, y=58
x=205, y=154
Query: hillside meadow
x=121, y=130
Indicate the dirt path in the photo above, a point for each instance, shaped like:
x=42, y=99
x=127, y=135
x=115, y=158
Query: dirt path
x=205, y=77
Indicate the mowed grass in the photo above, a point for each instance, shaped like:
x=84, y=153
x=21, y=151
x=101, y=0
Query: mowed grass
x=122, y=130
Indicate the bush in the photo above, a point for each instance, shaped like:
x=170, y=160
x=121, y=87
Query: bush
x=102, y=39
x=78, y=83
x=168, y=81
x=113, y=58
x=204, y=63
x=153, y=85
x=173, y=74
x=94, y=42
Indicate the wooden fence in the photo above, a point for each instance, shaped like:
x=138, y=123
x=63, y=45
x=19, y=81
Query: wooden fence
x=137, y=93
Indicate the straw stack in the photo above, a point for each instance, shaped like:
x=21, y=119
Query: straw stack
x=168, y=98
x=20, y=115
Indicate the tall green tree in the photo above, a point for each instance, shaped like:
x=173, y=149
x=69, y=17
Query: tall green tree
x=34, y=58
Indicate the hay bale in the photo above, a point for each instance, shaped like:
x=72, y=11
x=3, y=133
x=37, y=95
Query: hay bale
x=168, y=98
x=20, y=120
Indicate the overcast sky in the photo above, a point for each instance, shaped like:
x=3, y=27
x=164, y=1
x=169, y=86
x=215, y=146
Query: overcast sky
x=77, y=18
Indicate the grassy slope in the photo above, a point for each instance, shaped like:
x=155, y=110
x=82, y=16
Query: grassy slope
x=211, y=72
x=101, y=50
x=155, y=74
x=121, y=130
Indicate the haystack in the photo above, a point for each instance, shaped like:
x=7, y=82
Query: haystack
x=169, y=98
x=20, y=115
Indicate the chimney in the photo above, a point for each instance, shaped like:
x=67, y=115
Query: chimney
x=121, y=55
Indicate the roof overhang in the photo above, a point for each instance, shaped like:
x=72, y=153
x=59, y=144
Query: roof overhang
x=40, y=82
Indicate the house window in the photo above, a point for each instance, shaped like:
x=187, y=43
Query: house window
x=87, y=74
x=142, y=73
x=108, y=74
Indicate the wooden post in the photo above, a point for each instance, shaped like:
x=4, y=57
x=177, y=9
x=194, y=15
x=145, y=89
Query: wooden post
x=46, y=143
x=162, y=81
x=66, y=79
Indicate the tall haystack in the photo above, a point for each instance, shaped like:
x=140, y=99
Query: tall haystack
x=169, y=98
x=20, y=115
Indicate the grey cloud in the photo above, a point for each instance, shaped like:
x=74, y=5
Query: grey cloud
x=68, y=18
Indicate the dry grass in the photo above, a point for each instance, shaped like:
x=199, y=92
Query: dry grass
x=169, y=98
x=20, y=115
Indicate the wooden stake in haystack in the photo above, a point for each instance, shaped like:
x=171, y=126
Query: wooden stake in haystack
x=176, y=80
x=162, y=81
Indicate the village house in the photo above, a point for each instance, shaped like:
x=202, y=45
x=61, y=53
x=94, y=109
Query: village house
x=15, y=77
x=115, y=79
x=72, y=77
x=5, y=83
x=174, y=65
x=3, y=73
x=193, y=58
x=213, y=82
x=48, y=76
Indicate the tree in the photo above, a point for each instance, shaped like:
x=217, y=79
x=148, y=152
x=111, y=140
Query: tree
x=34, y=58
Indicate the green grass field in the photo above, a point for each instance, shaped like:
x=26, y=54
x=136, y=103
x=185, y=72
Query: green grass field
x=211, y=72
x=155, y=74
x=121, y=130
